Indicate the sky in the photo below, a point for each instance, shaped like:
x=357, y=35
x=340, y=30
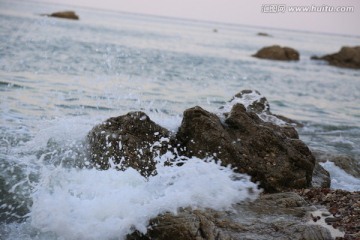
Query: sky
x=263, y=13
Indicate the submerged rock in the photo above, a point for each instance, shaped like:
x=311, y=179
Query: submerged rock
x=272, y=216
x=347, y=57
x=276, y=52
x=65, y=14
x=131, y=140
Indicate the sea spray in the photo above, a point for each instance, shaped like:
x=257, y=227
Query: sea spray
x=92, y=204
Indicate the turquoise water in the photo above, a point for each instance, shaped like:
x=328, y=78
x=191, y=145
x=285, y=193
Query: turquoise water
x=59, y=78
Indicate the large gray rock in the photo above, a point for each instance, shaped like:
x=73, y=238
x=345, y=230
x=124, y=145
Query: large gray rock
x=347, y=57
x=131, y=140
x=271, y=154
x=276, y=52
x=272, y=216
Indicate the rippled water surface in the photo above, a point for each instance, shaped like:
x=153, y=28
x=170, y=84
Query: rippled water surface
x=58, y=78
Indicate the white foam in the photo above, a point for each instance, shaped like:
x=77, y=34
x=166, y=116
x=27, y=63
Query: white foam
x=340, y=179
x=92, y=204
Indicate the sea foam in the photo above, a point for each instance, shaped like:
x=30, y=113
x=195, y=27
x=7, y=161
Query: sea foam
x=340, y=179
x=92, y=204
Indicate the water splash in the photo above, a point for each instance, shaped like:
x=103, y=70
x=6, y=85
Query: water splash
x=72, y=203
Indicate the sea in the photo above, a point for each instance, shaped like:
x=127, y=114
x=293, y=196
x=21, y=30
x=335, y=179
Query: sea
x=59, y=78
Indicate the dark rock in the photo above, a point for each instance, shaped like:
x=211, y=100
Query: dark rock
x=276, y=52
x=263, y=34
x=272, y=216
x=347, y=57
x=272, y=155
x=131, y=140
x=65, y=14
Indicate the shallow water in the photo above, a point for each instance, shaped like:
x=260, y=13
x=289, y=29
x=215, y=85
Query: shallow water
x=59, y=78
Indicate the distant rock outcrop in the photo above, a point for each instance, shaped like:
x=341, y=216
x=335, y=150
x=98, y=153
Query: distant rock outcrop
x=347, y=57
x=276, y=52
x=263, y=34
x=65, y=14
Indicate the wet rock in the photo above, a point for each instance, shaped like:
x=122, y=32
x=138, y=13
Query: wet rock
x=321, y=177
x=276, y=52
x=131, y=140
x=65, y=14
x=272, y=216
x=347, y=57
x=271, y=154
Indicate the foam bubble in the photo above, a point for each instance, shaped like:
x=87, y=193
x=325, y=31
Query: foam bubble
x=92, y=204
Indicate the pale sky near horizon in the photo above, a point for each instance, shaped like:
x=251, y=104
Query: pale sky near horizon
x=242, y=12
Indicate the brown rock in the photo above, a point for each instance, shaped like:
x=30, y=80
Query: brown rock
x=276, y=52
x=263, y=150
x=65, y=14
x=347, y=57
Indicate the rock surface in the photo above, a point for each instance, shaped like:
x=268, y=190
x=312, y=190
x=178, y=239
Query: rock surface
x=347, y=57
x=272, y=216
x=65, y=14
x=131, y=140
x=276, y=52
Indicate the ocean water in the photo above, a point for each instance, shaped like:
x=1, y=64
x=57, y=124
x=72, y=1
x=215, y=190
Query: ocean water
x=59, y=78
